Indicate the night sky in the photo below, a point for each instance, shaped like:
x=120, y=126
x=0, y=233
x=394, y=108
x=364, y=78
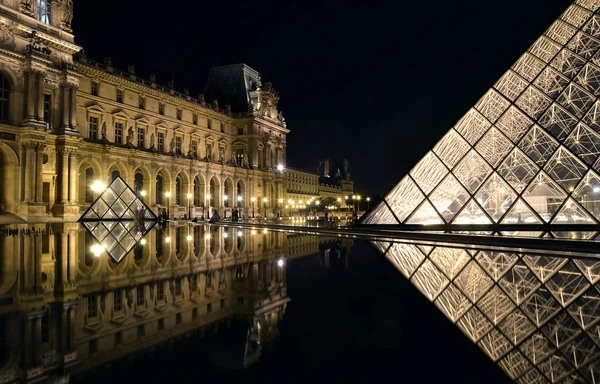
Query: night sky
x=371, y=81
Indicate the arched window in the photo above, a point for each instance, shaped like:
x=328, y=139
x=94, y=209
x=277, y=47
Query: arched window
x=4, y=97
x=159, y=189
x=89, y=179
x=138, y=182
x=178, y=190
x=114, y=175
x=198, y=192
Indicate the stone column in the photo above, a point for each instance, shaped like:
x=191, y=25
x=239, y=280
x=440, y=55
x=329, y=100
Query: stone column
x=39, y=174
x=63, y=246
x=31, y=91
x=27, y=341
x=37, y=339
x=72, y=260
x=29, y=172
x=73, y=118
x=64, y=176
x=66, y=110
x=40, y=96
x=73, y=178
x=71, y=328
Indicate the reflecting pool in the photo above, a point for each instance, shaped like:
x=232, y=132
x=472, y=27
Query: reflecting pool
x=240, y=302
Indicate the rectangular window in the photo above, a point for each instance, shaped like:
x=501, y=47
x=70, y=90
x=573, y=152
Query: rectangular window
x=222, y=304
x=178, y=319
x=178, y=145
x=93, y=128
x=209, y=123
x=194, y=313
x=47, y=109
x=195, y=118
x=208, y=151
x=193, y=283
x=194, y=148
x=240, y=130
x=141, y=331
x=119, y=95
x=118, y=338
x=161, y=142
x=93, y=346
x=118, y=133
x=239, y=157
x=92, y=307
x=209, y=308
x=45, y=331
x=94, y=88
x=141, y=102
x=118, y=301
x=44, y=11
x=161, y=324
x=179, y=112
x=160, y=290
x=139, y=297
x=161, y=108
x=178, y=287
x=141, y=135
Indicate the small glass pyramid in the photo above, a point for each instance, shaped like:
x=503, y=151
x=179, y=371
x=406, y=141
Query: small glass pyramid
x=118, y=219
x=528, y=151
x=118, y=202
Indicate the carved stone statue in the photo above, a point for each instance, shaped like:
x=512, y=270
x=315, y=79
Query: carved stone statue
x=153, y=78
x=172, y=145
x=280, y=117
x=108, y=61
x=216, y=103
x=228, y=108
x=130, y=136
x=152, y=140
x=221, y=154
x=36, y=44
x=186, y=91
x=63, y=10
x=171, y=84
x=103, y=130
x=7, y=36
x=131, y=70
x=250, y=106
x=232, y=158
x=246, y=162
x=208, y=151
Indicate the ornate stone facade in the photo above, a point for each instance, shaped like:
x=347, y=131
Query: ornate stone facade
x=66, y=121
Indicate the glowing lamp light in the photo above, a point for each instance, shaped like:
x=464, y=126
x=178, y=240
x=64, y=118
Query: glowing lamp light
x=143, y=193
x=253, y=199
x=98, y=186
x=167, y=240
x=280, y=263
x=239, y=234
x=207, y=236
x=143, y=241
x=189, y=195
x=225, y=235
x=97, y=249
x=207, y=196
x=280, y=167
x=280, y=201
x=253, y=232
x=597, y=190
x=264, y=200
x=225, y=197
x=239, y=198
x=265, y=231
x=189, y=238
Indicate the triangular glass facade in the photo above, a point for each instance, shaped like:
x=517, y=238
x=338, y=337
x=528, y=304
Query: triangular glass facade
x=118, y=219
x=536, y=316
x=118, y=202
x=528, y=151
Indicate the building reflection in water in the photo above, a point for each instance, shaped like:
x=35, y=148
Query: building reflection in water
x=536, y=316
x=66, y=308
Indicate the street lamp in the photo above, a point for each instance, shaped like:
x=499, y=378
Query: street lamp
x=368, y=203
x=206, y=197
x=281, y=208
x=225, y=198
x=143, y=194
x=253, y=200
x=98, y=186
x=189, y=196
x=346, y=203
x=280, y=167
x=358, y=197
x=265, y=206
x=168, y=196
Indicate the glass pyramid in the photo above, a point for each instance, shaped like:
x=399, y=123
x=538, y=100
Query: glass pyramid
x=118, y=202
x=536, y=316
x=527, y=152
x=118, y=219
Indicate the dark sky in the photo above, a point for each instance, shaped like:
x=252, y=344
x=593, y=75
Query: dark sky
x=377, y=82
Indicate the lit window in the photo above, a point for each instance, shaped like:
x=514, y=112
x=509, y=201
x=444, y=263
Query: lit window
x=47, y=108
x=161, y=108
x=194, y=149
x=141, y=102
x=195, y=118
x=92, y=306
x=240, y=130
x=178, y=145
x=118, y=301
x=140, y=295
x=44, y=11
x=179, y=112
x=161, y=142
x=119, y=95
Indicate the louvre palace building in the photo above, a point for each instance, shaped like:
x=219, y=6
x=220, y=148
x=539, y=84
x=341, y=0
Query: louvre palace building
x=67, y=121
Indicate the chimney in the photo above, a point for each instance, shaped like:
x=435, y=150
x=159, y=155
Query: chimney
x=326, y=168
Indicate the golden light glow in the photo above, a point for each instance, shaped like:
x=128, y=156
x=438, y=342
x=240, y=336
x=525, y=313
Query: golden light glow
x=143, y=193
x=207, y=236
x=98, y=186
x=189, y=195
x=167, y=239
x=143, y=241
x=168, y=194
x=97, y=249
x=264, y=200
x=253, y=199
x=189, y=238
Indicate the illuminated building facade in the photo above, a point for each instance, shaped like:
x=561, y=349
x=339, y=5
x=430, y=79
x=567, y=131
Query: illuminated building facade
x=527, y=152
x=66, y=121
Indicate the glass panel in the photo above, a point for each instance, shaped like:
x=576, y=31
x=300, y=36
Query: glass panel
x=404, y=198
x=567, y=283
x=428, y=172
x=575, y=15
x=494, y=344
x=496, y=263
x=592, y=118
x=473, y=281
x=586, y=309
x=511, y=85
x=425, y=214
x=518, y=170
x=495, y=196
x=567, y=63
x=533, y=102
x=380, y=215
x=528, y=66
x=452, y=303
x=538, y=145
x=565, y=169
x=429, y=280
x=472, y=214
x=537, y=348
x=474, y=324
x=449, y=197
x=585, y=143
x=514, y=124
x=494, y=146
x=545, y=49
x=587, y=193
x=519, y=283
x=584, y=45
x=472, y=126
x=544, y=196
x=544, y=266
x=540, y=307
x=572, y=213
x=551, y=82
x=406, y=257
x=560, y=32
x=472, y=171
x=495, y=305
x=451, y=148
x=558, y=121
x=492, y=105
x=449, y=260
x=520, y=213
x=592, y=27
x=589, y=78
x=576, y=100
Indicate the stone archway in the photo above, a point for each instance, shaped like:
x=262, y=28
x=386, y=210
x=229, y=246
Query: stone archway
x=9, y=179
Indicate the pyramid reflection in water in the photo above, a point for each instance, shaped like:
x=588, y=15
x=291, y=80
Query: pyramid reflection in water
x=118, y=219
x=527, y=152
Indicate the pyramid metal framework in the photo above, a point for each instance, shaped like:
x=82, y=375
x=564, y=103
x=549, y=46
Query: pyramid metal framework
x=118, y=219
x=527, y=152
x=537, y=317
